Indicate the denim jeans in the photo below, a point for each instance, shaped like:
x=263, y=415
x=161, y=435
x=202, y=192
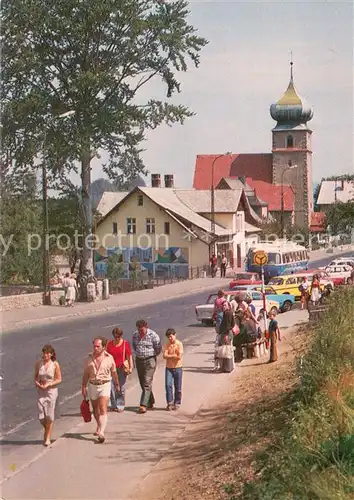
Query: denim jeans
x=173, y=377
x=118, y=397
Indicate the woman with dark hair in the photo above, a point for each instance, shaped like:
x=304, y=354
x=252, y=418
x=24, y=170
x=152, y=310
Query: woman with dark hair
x=47, y=376
x=121, y=351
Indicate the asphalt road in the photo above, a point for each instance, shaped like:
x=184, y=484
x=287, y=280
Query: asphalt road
x=72, y=341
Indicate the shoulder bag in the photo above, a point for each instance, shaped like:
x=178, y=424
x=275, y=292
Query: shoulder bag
x=125, y=365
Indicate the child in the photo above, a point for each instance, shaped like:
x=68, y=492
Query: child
x=172, y=353
x=274, y=336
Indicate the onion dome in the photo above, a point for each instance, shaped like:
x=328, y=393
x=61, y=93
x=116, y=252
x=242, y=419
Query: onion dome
x=291, y=111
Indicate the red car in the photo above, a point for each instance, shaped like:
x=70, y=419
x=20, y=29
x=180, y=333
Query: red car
x=336, y=280
x=245, y=279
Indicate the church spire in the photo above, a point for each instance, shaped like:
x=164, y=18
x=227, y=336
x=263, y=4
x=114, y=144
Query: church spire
x=291, y=66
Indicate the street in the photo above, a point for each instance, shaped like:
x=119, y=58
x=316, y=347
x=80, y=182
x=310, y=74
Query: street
x=72, y=340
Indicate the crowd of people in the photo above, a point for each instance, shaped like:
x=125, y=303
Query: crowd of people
x=236, y=324
x=105, y=375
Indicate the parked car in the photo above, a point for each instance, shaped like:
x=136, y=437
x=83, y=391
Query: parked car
x=245, y=279
x=204, y=312
x=343, y=272
x=336, y=280
x=342, y=261
x=286, y=301
x=290, y=284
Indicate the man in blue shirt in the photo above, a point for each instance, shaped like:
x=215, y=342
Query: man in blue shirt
x=146, y=347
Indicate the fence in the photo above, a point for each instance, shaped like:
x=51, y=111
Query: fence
x=124, y=285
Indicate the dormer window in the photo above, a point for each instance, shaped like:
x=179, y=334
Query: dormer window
x=290, y=141
x=140, y=200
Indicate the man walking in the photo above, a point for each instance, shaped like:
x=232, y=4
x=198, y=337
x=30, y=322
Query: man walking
x=146, y=347
x=99, y=370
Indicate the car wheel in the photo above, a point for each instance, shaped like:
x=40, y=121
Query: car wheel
x=207, y=322
x=349, y=281
x=274, y=310
x=287, y=306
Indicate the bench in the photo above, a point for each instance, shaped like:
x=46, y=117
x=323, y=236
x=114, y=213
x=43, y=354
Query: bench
x=254, y=349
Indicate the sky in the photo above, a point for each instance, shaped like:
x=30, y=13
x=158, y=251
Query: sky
x=244, y=69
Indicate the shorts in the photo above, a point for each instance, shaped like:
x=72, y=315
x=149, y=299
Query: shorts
x=99, y=391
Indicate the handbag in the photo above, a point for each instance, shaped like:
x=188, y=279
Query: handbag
x=85, y=410
x=125, y=365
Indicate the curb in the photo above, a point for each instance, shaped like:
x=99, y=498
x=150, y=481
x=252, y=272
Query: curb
x=98, y=312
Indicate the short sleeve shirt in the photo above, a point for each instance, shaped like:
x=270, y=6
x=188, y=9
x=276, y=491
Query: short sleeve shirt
x=103, y=371
x=119, y=352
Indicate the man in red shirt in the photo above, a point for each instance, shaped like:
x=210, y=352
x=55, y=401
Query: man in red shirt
x=121, y=352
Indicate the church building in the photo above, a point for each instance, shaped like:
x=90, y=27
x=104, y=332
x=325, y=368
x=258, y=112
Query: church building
x=288, y=164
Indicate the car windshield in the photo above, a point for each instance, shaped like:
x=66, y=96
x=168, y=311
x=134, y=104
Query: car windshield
x=211, y=298
x=243, y=276
x=276, y=281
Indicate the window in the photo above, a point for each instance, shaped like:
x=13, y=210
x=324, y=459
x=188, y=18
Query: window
x=115, y=228
x=131, y=225
x=150, y=226
x=291, y=281
x=256, y=296
x=290, y=141
x=167, y=228
x=140, y=200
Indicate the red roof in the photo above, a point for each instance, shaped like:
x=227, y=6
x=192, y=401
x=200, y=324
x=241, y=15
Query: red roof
x=271, y=193
x=259, y=165
x=318, y=222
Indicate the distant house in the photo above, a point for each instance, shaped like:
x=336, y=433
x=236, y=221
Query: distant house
x=163, y=229
x=334, y=191
x=318, y=224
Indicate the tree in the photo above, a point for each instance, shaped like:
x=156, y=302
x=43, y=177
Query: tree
x=340, y=218
x=94, y=58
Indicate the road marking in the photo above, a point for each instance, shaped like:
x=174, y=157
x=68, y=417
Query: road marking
x=59, y=338
x=16, y=428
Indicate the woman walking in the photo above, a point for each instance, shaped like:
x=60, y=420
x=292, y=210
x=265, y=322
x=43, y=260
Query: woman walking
x=71, y=291
x=274, y=336
x=121, y=352
x=220, y=304
x=47, y=376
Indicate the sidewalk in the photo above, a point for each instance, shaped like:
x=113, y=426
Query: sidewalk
x=75, y=467
x=21, y=317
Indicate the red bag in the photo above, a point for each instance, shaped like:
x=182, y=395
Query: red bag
x=85, y=410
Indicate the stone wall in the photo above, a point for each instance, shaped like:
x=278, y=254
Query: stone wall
x=27, y=300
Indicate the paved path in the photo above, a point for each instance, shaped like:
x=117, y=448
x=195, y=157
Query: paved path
x=70, y=468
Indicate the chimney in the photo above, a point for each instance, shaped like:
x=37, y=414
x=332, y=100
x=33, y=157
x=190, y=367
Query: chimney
x=155, y=180
x=169, y=181
x=342, y=184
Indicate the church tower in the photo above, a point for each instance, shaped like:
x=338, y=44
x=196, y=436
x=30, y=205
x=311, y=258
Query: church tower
x=292, y=146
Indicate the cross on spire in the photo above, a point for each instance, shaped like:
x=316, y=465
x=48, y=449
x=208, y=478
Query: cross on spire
x=291, y=65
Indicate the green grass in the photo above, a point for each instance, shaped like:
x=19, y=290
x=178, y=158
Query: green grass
x=313, y=458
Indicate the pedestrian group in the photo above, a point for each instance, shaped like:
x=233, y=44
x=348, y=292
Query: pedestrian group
x=105, y=374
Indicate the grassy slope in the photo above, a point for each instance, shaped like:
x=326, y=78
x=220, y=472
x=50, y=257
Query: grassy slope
x=312, y=458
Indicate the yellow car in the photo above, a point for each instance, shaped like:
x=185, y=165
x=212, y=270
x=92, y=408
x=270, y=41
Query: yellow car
x=289, y=284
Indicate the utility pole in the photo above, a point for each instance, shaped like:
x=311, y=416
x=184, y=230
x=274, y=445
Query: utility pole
x=212, y=201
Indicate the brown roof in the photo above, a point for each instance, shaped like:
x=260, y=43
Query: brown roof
x=259, y=166
x=271, y=193
x=255, y=165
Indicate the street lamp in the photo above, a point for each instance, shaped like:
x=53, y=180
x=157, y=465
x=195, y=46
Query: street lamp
x=282, y=221
x=212, y=199
x=47, y=299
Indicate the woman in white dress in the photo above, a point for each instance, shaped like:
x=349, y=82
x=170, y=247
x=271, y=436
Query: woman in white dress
x=71, y=291
x=47, y=376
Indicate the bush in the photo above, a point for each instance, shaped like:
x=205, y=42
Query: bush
x=314, y=457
